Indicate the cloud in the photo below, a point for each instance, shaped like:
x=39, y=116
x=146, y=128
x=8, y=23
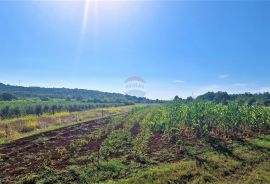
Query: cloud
x=263, y=89
x=178, y=81
x=212, y=87
x=223, y=76
x=240, y=84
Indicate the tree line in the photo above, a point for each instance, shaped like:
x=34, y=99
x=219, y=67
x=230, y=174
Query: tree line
x=17, y=110
x=262, y=99
x=66, y=93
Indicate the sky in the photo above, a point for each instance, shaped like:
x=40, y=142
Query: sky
x=183, y=48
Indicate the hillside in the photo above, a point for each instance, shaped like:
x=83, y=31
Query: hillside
x=63, y=93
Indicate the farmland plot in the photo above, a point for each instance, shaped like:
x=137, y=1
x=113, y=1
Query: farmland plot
x=173, y=143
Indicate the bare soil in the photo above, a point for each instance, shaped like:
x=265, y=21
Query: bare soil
x=135, y=130
x=30, y=154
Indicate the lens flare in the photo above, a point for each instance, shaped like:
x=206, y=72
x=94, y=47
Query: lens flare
x=85, y=18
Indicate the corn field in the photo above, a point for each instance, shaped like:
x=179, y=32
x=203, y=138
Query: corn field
x=202, y=119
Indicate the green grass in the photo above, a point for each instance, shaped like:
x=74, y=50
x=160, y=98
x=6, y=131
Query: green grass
x=3, y=141
x=182, y=172
x=262, y=141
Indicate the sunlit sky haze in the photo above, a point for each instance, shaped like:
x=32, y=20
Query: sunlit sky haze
x=183, y=48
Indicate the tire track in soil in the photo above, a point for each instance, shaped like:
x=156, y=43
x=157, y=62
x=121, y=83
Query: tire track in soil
x=27, y=154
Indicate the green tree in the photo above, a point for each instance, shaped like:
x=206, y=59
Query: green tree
x=4, y=113
x=7, y=97
x=38, y=110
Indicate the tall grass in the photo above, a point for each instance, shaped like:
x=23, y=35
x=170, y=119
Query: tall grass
x=14, y=128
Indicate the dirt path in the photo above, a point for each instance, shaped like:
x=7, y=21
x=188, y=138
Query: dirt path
x=30, y=154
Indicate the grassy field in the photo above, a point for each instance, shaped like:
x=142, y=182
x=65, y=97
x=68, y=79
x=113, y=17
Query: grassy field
x=15, y=128
x=173, y=143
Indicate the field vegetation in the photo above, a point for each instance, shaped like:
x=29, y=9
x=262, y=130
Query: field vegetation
x=15, y=128
x=178, y=142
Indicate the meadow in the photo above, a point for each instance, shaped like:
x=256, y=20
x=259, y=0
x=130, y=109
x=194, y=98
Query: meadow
x=171, y=143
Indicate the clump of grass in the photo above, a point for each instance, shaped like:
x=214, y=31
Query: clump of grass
x=93, y=173
x=42, y=140
x=182, y=172
x=259, y=174
x=116, y=143
x=61, y=151
x=262, y=141
x=30, y=126
x=58, y=121
x=76, y=144
x=3, y=140
x=2, y=133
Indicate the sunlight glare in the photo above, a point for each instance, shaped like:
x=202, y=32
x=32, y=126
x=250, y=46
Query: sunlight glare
x=85, y=18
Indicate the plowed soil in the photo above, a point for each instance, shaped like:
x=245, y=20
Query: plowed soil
x=32, y=153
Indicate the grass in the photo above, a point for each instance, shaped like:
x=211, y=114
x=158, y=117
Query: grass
x=262, y=141
x=260, y=174
x=16, y=128
x=182, y=172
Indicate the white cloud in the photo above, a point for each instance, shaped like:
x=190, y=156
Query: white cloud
x=223, y=76
x=212, y=87
x=240, y=84
x=263, y=90
x=178, y=81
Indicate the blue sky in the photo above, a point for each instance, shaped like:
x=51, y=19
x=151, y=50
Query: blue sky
x=179, y=48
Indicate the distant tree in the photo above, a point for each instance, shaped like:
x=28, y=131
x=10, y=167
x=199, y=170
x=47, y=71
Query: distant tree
x=46, y=108
x=4, y=113
x=16, y=112
x=251, y=101
x=29, y=110
x=221, y=97
x=266, y=103
x=209, y=96
x=68, y=99
x=79, y=98
x=189, y=99
x=241, y=102
x=7, y=97
x=53, y=108
x=266, y=95
x=176, y=98
x=38, y=110
x=44, y=99
x=248, y=94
